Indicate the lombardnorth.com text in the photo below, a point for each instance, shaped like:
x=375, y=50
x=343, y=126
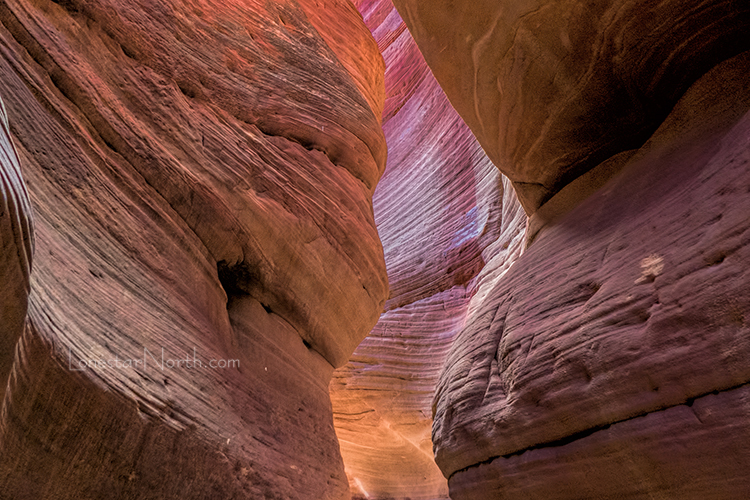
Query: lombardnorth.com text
x=160, y=360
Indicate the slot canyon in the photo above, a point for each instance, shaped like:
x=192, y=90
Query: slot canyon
x=375, y=249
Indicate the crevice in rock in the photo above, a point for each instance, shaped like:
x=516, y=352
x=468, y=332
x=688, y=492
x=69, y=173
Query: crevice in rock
x=309, y=144
x=238, y=279
x=588, y=432
x=68, y=5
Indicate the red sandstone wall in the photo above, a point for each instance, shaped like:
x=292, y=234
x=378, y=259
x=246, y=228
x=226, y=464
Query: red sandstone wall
x=611, y=360
x=201, y=176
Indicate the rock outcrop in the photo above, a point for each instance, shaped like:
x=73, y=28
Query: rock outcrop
x=613, y=355
x=443, y=211
x=201, y=176
x=552, y=88
x=611, y=360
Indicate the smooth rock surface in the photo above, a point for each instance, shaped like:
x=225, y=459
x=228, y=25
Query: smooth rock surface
x=551, y=88
x=201, y=175
x=611, y=360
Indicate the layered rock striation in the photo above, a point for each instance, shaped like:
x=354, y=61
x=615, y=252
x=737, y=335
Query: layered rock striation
x=612, y=356
x=610, y=360
x=201, y=176
x=16, y=249
x=443, y=212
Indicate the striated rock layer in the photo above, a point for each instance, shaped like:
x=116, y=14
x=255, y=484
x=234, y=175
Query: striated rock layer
x=15, y=249
x=201, y=175
x=610, y=360
x=442, y=211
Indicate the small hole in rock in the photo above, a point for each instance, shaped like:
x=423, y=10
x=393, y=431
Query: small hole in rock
x=716, y=259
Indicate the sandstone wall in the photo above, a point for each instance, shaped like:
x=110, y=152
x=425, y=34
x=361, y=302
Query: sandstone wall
x=201, y=175
x=612, y=356
x=551, y=88
x=610, y=360
x=16, y=249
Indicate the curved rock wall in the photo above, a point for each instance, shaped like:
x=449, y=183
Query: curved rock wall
x=552, y=88
x=201, y=175
x=16, y=248
x=610, y=360
x=443, y=211
x=612, y=356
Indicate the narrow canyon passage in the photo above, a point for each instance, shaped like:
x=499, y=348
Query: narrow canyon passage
x=450, y=225
x=333, y=249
